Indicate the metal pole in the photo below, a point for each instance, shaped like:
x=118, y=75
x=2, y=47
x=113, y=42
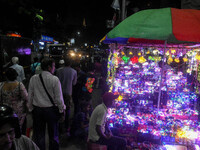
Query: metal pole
x=162, y=71
x=123, y=10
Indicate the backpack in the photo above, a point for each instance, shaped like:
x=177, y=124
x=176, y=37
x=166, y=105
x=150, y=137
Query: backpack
x=33, y=67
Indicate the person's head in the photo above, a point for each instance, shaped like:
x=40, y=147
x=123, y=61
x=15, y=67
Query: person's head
x=48, y=64
x=68, y=61
x=36, y=59
x=11, y=74
x=61, y=62
x=15, y=60
x=9, y=127
x=109, y=98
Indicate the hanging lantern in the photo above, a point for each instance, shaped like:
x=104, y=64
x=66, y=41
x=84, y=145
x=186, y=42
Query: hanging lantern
x=125, y=59
x=134, y=59
x=141, y=60
x=177, y=60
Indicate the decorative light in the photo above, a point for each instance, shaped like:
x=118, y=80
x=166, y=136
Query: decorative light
x=141, y=60
x=148, y=52
x=173, y=51
x=197, y=57
x=170, y=60
x=177, y=60
x=167, y=53
x=139, y=54
x=130, y=53
x=134, y=59
x=119, y=98
x=185, y=59
x=122, y=53
x=125, y=59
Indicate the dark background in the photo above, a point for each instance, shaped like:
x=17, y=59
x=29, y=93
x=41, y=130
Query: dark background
x=62, y=19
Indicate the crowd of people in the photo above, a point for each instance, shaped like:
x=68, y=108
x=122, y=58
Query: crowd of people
x=58, y=100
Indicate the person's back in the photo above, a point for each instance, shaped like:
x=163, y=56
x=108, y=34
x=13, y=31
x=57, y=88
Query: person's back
x=18, y=68
x=34, y=65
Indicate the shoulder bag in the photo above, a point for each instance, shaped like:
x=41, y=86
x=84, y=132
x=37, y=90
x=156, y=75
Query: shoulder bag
x=54, y=107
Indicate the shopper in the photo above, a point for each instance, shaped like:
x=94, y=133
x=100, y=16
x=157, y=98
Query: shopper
x=68, y=78
x=19, y=69
x=99, y=131
x=46, y=103
x=14, y=94
x=10, y=133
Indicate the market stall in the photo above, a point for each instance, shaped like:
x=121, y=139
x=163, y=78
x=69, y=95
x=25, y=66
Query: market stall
x=153, y=66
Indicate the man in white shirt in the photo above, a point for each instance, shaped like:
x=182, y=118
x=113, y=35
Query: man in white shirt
x=99, y=131
x=18, y=68
x=10, y=133
x=41, y=106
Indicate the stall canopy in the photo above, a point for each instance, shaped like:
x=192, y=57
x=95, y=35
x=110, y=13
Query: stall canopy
x=156, y=26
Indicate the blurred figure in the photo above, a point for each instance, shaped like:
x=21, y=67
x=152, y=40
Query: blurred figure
x=68, y=78
x=47, y=106
x=79, y=127
x=61, y=65
x=10, y=133
x=19, y=69
x=99, y=131
x=34, y=65
x=14, y=94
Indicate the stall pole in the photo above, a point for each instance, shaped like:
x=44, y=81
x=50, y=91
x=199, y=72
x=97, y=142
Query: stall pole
x=162, y=71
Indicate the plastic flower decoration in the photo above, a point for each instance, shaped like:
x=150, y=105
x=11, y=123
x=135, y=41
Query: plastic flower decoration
x=89, y=83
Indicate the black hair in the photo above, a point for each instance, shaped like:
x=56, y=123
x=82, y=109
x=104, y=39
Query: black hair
x=46, y=62
x=8, y=116
x=11, y=74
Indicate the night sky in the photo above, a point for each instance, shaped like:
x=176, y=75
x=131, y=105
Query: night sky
x=62, y=18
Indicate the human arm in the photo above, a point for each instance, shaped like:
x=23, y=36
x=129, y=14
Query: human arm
x=30, y=95
x=24, y=96
x=101, y=133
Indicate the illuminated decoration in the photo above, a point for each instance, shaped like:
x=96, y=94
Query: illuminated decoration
x=24, y=51
x=173, y=51
x=130, y=53
x=89, y=84
x=157, y=58
x=170, y=60
x=139, y=54
x=125, y=59
x=156, y=52
x=197, y=57
x=13, y=34
x=122, y=53
x=167, y=53
x=185, y=59
x=137, y=82
x=148, y=52
x=177, y=60
x=141, y=60
x=134, y=59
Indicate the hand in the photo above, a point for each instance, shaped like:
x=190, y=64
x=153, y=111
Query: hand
x=62, y=118
x=109, y=135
